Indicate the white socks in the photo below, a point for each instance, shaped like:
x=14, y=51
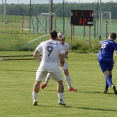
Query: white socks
x=60, y=95
x=68, y=80
x=47, y=78
x=34, y=95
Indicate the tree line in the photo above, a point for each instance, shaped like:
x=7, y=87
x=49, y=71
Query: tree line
x=36, y=9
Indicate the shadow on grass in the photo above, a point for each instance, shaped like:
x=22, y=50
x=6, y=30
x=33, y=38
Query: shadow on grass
x=86, y=108
x=18, y=70
x=54, y=106
x=99, y=109
x=97, y=92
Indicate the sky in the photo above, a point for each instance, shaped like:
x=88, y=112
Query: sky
x=90, y=1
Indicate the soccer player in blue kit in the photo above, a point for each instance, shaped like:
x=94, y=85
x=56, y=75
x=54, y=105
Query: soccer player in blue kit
x=105, y=59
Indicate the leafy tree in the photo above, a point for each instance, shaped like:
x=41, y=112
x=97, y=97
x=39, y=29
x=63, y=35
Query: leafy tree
x=24, y=9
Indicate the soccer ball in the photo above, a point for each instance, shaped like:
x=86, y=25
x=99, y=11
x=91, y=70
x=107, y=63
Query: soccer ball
x=2, y=59
x=60, y=36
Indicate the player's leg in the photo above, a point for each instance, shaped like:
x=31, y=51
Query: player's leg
x=36, y=87
x=106, y=87
x=68, y=80
x=108, y=78
x=46, y=81
x=107, y=83
x=106, y=67
x=111, y=65
x=60, y=87
x=67, y=77
x=60, y=90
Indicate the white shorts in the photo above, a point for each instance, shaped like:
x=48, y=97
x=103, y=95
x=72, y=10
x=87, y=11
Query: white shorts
x=65, y=66
x=41, y=75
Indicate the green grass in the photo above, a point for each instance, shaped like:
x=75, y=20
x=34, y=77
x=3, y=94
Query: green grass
x=14, y=23
x=17, y=78
x=13, y=38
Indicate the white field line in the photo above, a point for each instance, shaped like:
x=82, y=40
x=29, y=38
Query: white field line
x=38, y=38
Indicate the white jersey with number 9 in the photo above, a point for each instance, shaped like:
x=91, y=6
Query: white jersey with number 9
x=50, y=55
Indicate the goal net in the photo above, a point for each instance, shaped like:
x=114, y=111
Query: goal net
x=41, y=23
x=43, y=15
x=104, y=22
x=25, y=23
x=44, y=22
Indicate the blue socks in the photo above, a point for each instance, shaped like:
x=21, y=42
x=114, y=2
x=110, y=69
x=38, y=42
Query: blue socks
x=108, y=82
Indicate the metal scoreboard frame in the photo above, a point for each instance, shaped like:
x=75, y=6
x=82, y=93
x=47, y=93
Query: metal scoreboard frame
x=81, y=17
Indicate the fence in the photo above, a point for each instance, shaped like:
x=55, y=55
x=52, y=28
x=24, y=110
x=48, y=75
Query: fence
x=33, y=16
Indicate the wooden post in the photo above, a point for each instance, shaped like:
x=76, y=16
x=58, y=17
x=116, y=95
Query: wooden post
x=5, y=14
x=106, y=28
x=89, y=37
x=71, y=38
x=51, y=15
x=84, y=31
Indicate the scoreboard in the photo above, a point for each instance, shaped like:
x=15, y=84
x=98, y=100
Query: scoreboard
x=82, y=17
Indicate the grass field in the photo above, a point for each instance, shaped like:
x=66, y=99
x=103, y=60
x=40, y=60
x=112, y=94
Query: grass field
x=17, y=78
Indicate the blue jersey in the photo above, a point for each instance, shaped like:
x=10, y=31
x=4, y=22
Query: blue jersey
x=107, y=50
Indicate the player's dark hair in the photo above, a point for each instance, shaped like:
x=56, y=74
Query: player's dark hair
x=113, y=36
x=53, y=34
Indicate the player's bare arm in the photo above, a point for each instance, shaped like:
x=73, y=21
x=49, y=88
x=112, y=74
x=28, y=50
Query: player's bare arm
x=66, y=55
x=36, y=54
x=62, y=59
x=116, y=52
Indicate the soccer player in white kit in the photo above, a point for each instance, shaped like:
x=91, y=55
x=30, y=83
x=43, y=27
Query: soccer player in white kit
x=52, y=55
x=61, y=39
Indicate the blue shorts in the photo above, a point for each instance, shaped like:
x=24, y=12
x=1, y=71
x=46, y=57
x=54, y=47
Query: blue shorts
x=106, y=65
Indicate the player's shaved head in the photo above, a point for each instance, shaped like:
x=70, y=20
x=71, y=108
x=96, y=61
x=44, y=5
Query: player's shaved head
x=113, y=36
